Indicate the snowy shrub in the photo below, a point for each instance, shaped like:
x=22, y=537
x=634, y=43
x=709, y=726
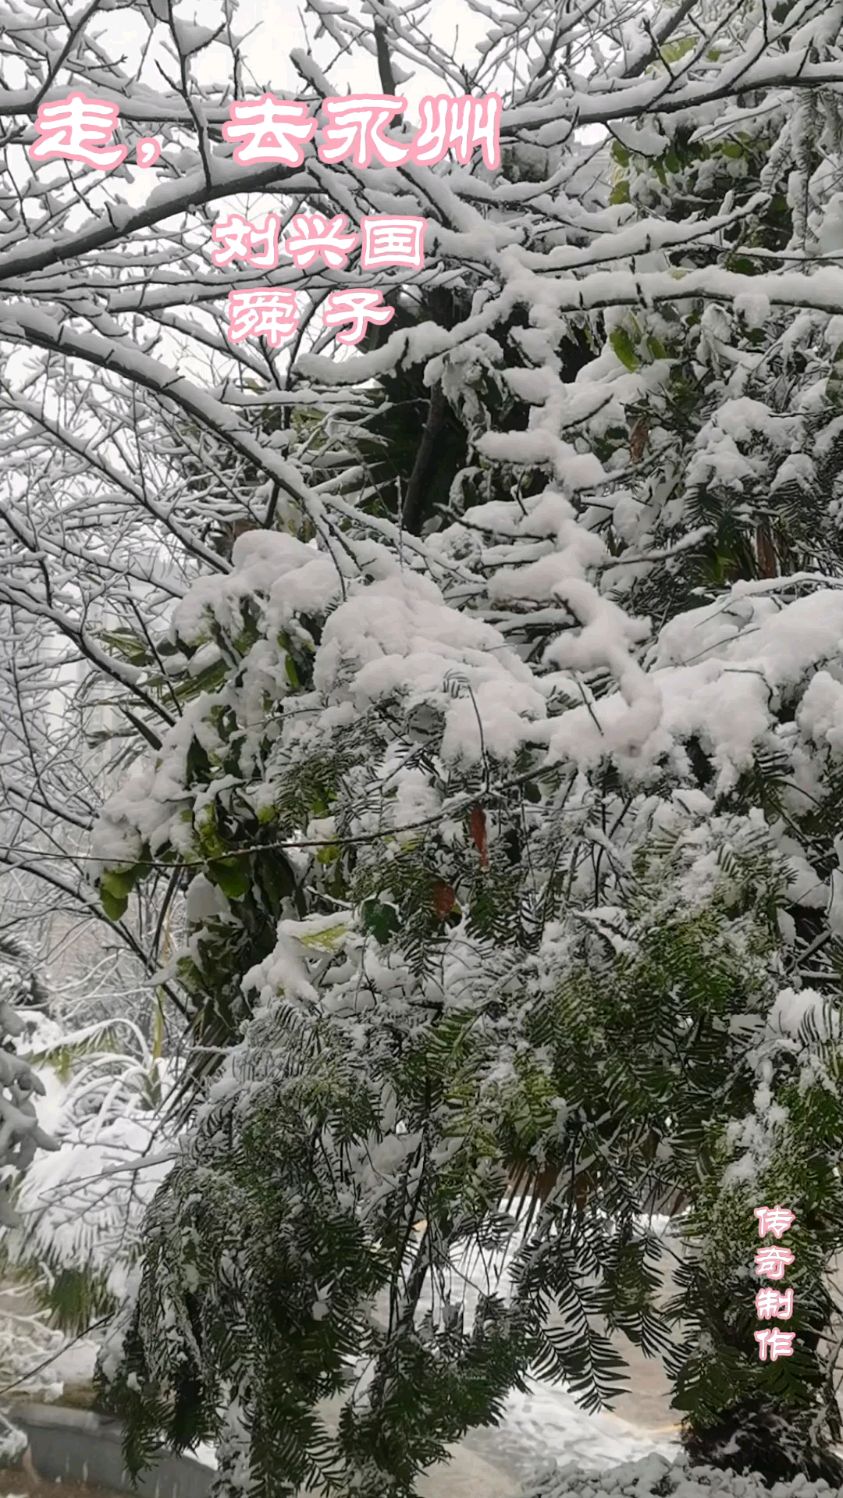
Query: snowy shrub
x=28, y=1346
x=654, y=1477
x=79, y=1210
x=20, y=1132
x=455, y=990
x=13, y=1443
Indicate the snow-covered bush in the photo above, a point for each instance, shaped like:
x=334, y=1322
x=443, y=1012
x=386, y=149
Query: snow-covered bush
x=13, y=1443
x=468, y=976
x=20, y=1131
x=655, y=1477
x=28, y=1347
x=22, y=1135
x=79, y=1210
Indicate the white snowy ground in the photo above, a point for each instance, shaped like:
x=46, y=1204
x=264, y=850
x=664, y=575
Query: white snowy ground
x=539, y=1428
x=548, y=1425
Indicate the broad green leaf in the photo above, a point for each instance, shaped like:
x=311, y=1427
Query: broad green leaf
x=114, y=884
x=209, y=680
x=120, y=882
x=741, y=265
x=210, y=841
x=274, y=880
x=233, y=876
x=128, y=646
x=113, y=905
x=325, y=941
x=674, y=51
x=382, y=920
x=143, y=729
x=623, y=349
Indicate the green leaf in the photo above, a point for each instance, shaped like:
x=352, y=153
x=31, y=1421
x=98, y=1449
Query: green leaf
x=620, y=191
x=330, y=854
x=143, y=729
x=120, y=882
x=198, y=765
x=732, y=149
x=113, y=905
x=674, y=51
x=623, y=349
x=741, y=265
x=274, y=879
x=382, y=920
x=127, y=646
x=325, y=940
x=620, y=153
x=116, y=885
x=232, y=876
x=291, y=672
x=208, y=836
x=209, y=680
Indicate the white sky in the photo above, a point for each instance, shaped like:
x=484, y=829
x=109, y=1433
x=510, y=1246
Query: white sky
x=280, y=30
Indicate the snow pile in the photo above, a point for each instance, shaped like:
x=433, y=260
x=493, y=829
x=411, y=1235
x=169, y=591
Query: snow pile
x=544, y=1428
x=723, y=673
x=393, y=644
x=80, y=1207
x=29, y=1348
x=13, y=1443
x=399, y=637
x=21, y=1132
x=655, y=1477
